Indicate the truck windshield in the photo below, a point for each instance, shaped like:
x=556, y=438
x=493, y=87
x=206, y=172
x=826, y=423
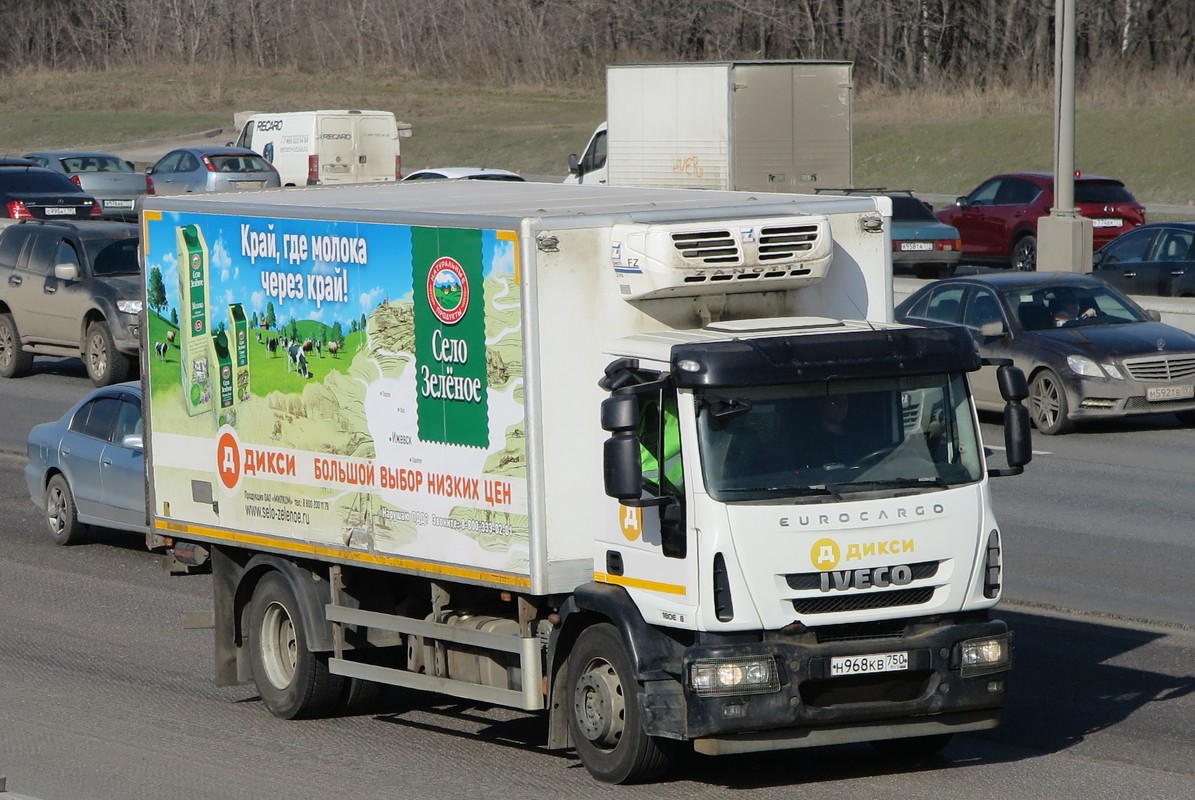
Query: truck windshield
x=817, y=442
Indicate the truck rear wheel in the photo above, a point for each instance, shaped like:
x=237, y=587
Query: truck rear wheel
x=293, y=682
x=604, y=712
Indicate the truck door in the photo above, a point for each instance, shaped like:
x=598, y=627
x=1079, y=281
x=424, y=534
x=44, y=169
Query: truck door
x=337, y=152
x=377, y=148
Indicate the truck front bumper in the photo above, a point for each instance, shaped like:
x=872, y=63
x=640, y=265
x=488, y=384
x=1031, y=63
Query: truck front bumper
x=807, y=705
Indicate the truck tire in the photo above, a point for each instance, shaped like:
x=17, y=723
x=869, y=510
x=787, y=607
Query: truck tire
x=603, y=712
x=293, y=682
x=14, y=362
x=105, y=364
x=61, y=513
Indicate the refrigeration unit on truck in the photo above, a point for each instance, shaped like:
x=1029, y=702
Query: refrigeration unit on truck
x=560, y=448
x=313, y=148
x=759, y=126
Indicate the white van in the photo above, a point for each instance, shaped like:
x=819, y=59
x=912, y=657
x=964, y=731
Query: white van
x=310, y=148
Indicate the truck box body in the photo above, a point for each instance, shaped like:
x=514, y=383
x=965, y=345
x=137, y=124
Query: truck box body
x=773, y=126
x=462, y=486
x=310, y=148
x=539, y=445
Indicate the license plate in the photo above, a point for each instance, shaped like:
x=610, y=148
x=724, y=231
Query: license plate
x=1107, y=223
x=250, y=184
x=906, y=246
x=841, y=666
x=118, y=204
x=58, y=212
x=1155, y=393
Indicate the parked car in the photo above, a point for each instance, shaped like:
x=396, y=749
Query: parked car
x=998, y=220
x=88, y=467
x=1088, y=351
x=32, y=192
x=70, y=289
x=463, y=173
x=108, y=178
x=1155, y=259
x=211, y=169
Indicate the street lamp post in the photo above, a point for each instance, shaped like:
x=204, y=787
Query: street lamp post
x=1064, y=237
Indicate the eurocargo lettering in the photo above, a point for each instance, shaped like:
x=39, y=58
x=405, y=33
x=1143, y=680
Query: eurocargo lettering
x=655, y=464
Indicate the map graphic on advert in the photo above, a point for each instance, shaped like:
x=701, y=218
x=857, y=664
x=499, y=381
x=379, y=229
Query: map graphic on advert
x=356, y=388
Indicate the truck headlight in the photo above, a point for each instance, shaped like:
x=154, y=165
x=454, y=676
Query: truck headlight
x=719, y=677
x=987, y=655
x=129, y=306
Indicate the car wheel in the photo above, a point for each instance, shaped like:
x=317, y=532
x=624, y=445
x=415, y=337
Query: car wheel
x=105, y=364
x=1024, y=254
x=1047, y=404
x=61, y=514
x=602, y=696
x=14, y=362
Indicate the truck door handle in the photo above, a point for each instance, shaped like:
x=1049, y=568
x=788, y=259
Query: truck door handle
x=14, y=280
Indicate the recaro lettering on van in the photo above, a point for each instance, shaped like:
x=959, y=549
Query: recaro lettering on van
x=269, y=124
x=336, y=136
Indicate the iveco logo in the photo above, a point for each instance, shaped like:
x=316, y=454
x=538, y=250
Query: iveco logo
x=877, y=577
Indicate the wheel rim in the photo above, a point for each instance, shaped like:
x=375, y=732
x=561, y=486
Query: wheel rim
x=1026, y=257
x=1047, y=402
x=97, y=356
x=279, y=646
x=56, y=510
x=7, y=353
x=599, y=705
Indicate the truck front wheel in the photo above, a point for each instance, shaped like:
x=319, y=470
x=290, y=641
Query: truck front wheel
x=604, y=712
x=293, y=682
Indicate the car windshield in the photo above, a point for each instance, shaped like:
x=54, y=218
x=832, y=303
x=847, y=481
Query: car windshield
x=1071, y=305
x=239, y=163
x=811, y=443
x=113, y=256
x=905, y=207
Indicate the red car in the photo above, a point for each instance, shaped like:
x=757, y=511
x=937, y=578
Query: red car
x=998, y=220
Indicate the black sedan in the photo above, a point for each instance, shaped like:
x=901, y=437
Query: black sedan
x=1155, y=259
x=28, y=191
x=1089, y=352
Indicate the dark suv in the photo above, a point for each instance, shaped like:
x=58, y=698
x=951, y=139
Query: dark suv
x=70, y=290
x=998, y=220
x=28, y=191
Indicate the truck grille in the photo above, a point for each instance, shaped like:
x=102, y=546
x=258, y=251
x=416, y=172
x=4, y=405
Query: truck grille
x=787, y=242
x=721, y=247
x=1162, y=368
x=811, y=581
x=863, y=602
x=708, y=247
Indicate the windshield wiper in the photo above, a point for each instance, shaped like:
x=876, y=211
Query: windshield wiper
x=891, y=483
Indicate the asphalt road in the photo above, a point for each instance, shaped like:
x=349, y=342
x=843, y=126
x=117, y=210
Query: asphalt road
x=104, y=695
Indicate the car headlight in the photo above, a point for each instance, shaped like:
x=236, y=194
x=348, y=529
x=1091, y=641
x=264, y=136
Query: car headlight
x=718, y=677
x=1088, y=368
x=985, y=656
x=130, y=306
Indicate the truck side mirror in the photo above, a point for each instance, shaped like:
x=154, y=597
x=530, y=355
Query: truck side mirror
x=574, y=164
x=622, y=469
x=1018, y=442
x=1013, y=385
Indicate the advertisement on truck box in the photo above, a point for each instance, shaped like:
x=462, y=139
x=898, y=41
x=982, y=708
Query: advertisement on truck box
x=346, y=389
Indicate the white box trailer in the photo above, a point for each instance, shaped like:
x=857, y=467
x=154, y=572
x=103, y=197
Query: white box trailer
x=551, y=447
x=773, y=126
x=312, y=148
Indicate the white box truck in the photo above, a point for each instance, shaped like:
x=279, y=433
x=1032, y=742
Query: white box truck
x=656, y=463
x=758, y=126
x=311, y=148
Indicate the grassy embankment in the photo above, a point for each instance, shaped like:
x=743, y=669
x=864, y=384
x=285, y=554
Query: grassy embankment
x=931, y=142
